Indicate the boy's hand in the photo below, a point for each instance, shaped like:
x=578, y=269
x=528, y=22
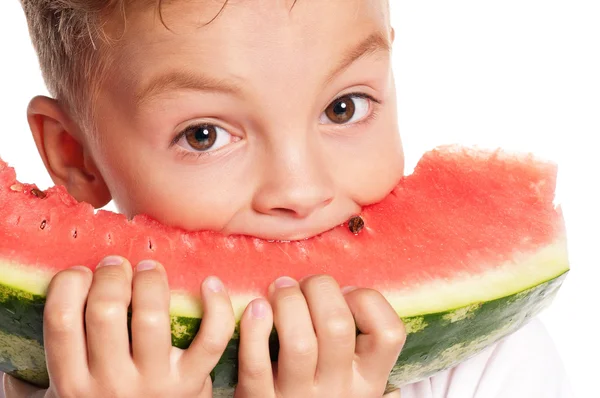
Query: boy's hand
x=88, y=351
x=320, y=354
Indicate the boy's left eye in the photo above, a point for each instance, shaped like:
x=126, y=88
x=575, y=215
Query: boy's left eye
x=345, y=110
x=203, y=138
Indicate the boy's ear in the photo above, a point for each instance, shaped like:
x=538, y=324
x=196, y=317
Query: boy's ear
x=69, y=163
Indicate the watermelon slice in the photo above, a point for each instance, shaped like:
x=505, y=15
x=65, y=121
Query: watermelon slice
x=467, y=249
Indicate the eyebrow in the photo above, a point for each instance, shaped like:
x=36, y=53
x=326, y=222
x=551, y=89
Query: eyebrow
x=375, y=42
x=181, y=79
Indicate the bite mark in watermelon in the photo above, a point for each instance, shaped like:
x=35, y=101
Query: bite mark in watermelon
x=466, y=249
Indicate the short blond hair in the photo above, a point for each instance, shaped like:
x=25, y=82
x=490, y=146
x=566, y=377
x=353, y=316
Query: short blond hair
x=71, y=44
x=67, y=36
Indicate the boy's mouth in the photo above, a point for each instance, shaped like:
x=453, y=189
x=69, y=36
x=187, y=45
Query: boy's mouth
x=273, y=228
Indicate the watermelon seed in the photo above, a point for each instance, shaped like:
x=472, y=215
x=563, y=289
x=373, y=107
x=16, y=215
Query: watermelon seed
x=149, y=244
x=43, y=224
x=109, y=239
x=356, y=224
x=37, y=193
x=75, y=234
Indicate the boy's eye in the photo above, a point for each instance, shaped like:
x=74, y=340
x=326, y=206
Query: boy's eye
x=346, y=109
x=204, y=138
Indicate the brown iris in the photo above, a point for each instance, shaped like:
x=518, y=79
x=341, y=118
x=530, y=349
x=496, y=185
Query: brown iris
x=201, y=138
x=341, y=110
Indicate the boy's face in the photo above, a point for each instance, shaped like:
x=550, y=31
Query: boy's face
x=268, y=122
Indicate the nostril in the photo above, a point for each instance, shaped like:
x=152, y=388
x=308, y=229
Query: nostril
x=282, y=211
x=299, y=211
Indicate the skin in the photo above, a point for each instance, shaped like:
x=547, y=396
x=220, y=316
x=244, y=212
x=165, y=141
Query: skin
x=280, y=168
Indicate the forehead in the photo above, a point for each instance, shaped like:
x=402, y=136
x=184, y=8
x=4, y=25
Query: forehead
x=207, y=10
x=259, y=41
x=310, y=17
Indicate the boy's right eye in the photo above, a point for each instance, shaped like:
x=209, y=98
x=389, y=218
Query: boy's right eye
x=203, y=138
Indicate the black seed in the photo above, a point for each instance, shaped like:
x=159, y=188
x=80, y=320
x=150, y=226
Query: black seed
x=75, y=234
x=356, y=224
x=37, y=193
x=43, y=224
x=150, y=244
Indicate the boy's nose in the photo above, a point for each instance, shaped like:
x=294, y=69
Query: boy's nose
x=295, y=202
x=293, y=186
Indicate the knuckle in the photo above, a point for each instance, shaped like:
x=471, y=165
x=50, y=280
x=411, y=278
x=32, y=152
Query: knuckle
x=65, y=278
x=111, y=274
x=289, y=298
x=61, y=321
x=150, y=320
x=66, y=275
x=393, y=337
x=255, y=370
x=214, y=344
x=370, y=295
x=367, y=299
x=110, y=293
x=302, y=347
x=106, y=313
x=149, y=278
x=320, y=282
x=340, y=327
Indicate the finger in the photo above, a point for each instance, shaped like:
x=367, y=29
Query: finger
x=64, y=331
x=382, y=333
x=298, y=350
x=255, y=371
x=216, y=330
x=150, y=319
x=335, y=329
x=106, y=318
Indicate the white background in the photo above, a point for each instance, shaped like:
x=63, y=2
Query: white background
x=522, y=74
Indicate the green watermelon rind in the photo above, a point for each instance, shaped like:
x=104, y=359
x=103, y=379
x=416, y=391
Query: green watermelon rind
x=435, y=341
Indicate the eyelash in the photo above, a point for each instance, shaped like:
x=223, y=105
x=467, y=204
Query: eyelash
x=357, y=95
x=185, y=154
x=373, y=113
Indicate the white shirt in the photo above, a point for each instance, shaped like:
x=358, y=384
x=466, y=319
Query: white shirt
x=523, y=365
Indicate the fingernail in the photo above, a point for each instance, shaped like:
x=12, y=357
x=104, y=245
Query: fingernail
x=145, y=265
x=259, y=309
x=81, y=268
x=213, y=284
x=110, y=260
x=285, y=281
x=348, y=289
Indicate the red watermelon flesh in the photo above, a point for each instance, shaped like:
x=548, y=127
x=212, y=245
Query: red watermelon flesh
x=468, y=226
x=438, y=216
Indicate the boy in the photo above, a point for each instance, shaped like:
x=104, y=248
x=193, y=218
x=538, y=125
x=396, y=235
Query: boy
x=275, y=119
